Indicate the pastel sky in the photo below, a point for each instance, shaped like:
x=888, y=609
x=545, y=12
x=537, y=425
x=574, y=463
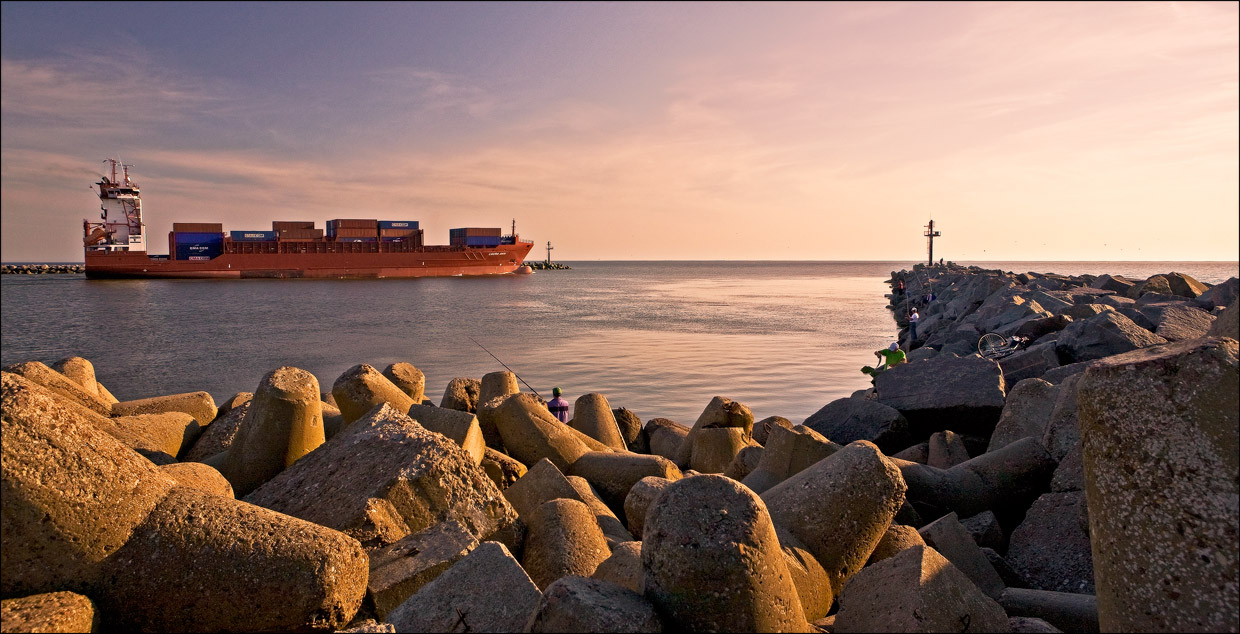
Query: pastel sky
x=744, y=131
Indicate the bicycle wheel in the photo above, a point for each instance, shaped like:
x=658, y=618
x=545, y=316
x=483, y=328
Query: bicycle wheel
x=991, y=345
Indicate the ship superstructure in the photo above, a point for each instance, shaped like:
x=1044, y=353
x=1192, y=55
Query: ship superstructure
x=116, y=246
x=120, y=226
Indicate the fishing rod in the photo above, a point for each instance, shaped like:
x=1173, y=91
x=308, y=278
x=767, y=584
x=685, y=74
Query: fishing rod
x=484, y=348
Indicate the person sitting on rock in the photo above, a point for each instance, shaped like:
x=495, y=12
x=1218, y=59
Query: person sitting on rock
x=892, y=356
x=558, y=406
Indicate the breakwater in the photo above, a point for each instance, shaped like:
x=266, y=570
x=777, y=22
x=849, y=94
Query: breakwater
x=41, y=269
x=549, y=266
x=947, y=495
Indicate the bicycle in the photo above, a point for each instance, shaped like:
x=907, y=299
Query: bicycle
x=993, y=345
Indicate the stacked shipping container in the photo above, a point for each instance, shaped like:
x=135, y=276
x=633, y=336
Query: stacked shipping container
x=353, y=230
x=195, y=245
x=474, y=236
x=253, y=236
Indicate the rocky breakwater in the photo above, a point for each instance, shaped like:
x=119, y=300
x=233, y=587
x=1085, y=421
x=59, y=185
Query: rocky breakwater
x=1091, y=489
x=41, y=269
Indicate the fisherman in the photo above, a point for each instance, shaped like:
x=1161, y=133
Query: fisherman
x=900, y=287
x=892, y=356
x=913, y=318
x=558, y=406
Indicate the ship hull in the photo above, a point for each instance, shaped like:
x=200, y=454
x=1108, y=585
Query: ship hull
x=431, y=262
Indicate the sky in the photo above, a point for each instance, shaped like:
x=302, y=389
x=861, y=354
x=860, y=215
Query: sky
x=1027, y=131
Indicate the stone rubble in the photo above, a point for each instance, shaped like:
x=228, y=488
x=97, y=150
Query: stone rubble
x=960, y=493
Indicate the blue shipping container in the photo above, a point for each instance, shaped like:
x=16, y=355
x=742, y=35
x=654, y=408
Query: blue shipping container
x=198, y=251
x=398, y=224
x=253, y=236
x=186, y=238
x=482, y=241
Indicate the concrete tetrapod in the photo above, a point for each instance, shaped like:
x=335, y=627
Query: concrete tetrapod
x=284, y=423
x=460, y=427
x=496, y=384
x=592, y=416
x=720, y=412
x=713, y=563
x=576, y=604
x=1012, y=476
x=80, y=371
x=361, y=388
x=788, y=451
x=840, y=507
x=714, y=448
x=531, y=433
x=637, y=502
x=409, y=379
x=50, y=612
x=54, y=381
x=563, y=539
x=200, y=405
x=1159, y=433
x=614, y=474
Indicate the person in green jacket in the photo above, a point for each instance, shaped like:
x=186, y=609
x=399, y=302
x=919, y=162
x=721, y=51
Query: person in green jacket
x=892, y=356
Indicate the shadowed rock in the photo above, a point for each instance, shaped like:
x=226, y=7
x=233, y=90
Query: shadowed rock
x=385, y=477
x=840, y=507
x=713, y=563
x=462, y=394
x=459, y=427
x=236, y=400
x=623, y=567
x=1103, y=335
x=917, y=590
x=50, y=612
x=631, y=430
x=812, y=582
x=964, y=394
x=1228, y=322
x=613, y=529
x=897, y=538
x=1025, y=414
x=563, y=539
x=1066, y=611
x=746, y=460
x=576, y=604
x=614, y=474
x=787, y=453
x=283, y=423
x=1159, y=434
x=1219, y=295
x=637, y=502
x=666, y=437
x=849, y=419
x=401, y=569
x=54, y=381
x=1051, y=548
x=946, y=450
x=196, y=475
x=464, y=598
x=950, y=538
x=1010, y=477
x=409, y=379
x=219, y=435
x=719, y=413
x=762, y=428
x=361, y=388
x=592, y=416
x=501, y=468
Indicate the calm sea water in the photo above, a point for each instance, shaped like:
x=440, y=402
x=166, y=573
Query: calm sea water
x=660, y=338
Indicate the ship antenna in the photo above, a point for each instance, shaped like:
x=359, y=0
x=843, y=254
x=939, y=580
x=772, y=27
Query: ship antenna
x=506, y=367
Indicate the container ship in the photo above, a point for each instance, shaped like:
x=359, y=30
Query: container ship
x=116, y=246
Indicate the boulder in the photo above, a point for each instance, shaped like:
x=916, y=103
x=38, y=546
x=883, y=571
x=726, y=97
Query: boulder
x=1227, y=323
x=1063, y=430
x=576, y=604
x=1025, y=414
x=361, y=388
x=1051, y=548
x=460, y=427
x=712, y=560
x=1007, y=478
x=50, y=612
x=631, y=430
x=1066, y=611
x=719, y=413
x=1032, y=362
x=462, y=393
x=952, y=540
x=623, y=567
x=839, y=507
x=1154, y=284
x=563, y=539
x=746, y=460
x=486, y=591
x=1159, y=441
x=916, y=590
x=1102, y=335
x=284, y=423
x=1181, y=322
x=1184, y=285
x=847, y=419
x=592, y=416
x=1219, y=295
x=897, y=538
x=386, y=477
x=399, y=570
x=408, y=379
x=1116, y=283
x=966, y=394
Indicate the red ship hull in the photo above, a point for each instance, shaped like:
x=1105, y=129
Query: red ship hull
x=431, y=261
